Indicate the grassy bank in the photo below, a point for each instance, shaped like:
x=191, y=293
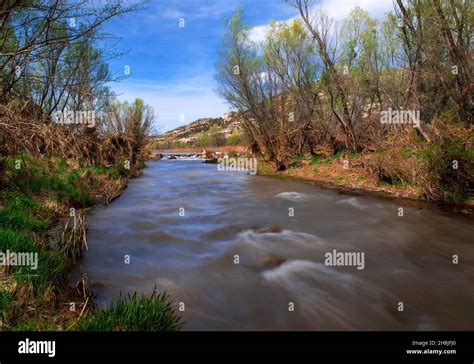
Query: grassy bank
x=43, y=206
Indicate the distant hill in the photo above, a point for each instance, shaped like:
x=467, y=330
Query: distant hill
x=201, y=132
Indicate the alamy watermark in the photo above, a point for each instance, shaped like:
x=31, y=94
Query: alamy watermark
x=345, y=259
x=10, y=258
x=400, y=117
x=75, y=117
x=237, y=164
x=28, y=346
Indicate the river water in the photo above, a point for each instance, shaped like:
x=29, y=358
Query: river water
x=281, y=281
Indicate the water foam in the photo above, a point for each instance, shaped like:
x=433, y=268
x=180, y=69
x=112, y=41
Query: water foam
x=354, y=202
x=293, y=196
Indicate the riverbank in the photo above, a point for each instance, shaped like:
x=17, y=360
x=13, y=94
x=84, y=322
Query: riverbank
x=44, y=202
x=43, y=207
x=349, y=173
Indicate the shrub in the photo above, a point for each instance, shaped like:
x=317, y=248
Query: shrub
x=234, y=138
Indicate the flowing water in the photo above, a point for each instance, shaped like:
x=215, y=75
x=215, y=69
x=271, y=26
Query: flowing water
x=281, y=281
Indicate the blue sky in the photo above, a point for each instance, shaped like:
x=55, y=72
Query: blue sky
x=172, y=67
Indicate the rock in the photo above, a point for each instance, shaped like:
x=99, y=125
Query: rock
x=272, y=261
x=269, y=229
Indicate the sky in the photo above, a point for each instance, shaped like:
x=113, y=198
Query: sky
x=172, y=67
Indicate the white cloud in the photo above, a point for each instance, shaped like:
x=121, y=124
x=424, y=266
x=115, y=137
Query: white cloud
x=257, y=34
x=193, y=97
x=338, y=10
x=341, y=8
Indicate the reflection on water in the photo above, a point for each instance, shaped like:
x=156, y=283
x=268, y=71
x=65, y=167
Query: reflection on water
x=281, y=258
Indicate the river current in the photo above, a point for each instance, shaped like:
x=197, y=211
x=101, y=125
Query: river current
x=245, y=252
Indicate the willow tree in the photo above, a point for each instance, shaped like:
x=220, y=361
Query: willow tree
x=359, y=62
x=321, y=28
x=289, y=53
x=272, y=85
x=246, y=84
x=437, y=39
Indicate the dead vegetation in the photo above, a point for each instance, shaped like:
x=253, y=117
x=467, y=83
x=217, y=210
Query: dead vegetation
x=73, y=239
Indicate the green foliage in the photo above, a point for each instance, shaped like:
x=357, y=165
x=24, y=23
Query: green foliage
x=203, y=139
x=132, y=313
x=234, y=138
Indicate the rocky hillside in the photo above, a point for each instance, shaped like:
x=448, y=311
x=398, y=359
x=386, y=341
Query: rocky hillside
x=201, y=132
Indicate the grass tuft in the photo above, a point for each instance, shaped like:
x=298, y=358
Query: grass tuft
x=154, y=312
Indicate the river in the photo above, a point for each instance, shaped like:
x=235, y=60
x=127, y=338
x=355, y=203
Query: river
x=408, y=280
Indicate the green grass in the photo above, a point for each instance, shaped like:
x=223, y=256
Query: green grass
x=341, y=179
x=132, y=313
x=17, y=241
x=5, y=304
x=316, y=159
x=265, y=168
x=319, y=159
x=55, y=176
x=52, y=270
x=407, y=152
x=34, y=324
x=100, y=170
x=316, y=171
x=353, y=155
x=361, y=178
x=77, y=196
x=298, y=157
x=20, y=213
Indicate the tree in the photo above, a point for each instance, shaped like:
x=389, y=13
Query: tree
x=289, y=53
x=246, y=84
x=272, y=85
x=320, y=25
x=437, y=40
